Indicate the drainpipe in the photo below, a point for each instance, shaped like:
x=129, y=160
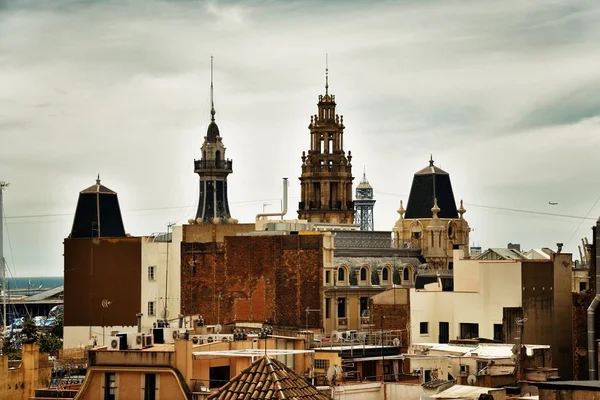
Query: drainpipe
x=139, y=321
x=285, y=203
x=591, y=313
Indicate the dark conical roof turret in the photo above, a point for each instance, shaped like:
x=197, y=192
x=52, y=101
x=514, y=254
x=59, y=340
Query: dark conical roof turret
x=97, y=214
x=429, y=184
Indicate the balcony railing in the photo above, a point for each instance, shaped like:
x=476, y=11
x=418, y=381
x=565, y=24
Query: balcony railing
x=226, y=165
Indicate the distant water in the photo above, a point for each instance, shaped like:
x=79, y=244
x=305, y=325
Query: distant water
x=46, y=282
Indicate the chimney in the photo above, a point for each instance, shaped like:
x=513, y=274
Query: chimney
x=139, y=321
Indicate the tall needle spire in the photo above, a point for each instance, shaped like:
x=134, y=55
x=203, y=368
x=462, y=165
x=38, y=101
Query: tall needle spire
x=212, y=103
x=326, y=75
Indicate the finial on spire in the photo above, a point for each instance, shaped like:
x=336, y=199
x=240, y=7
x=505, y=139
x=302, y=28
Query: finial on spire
x=461, y=210
x=435, y=210
x=326, y=74
x=98, y=179
x=212, y=103
x=431, y=160
x=401, y=210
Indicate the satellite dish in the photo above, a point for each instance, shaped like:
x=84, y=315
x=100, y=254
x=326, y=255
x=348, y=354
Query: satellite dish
x=471, y=380
x=396, y=342
x=218, y=328
x=175, y=335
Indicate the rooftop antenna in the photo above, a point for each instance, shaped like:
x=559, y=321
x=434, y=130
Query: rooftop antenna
x=326, y=74
x=212, y=103
x=3, y=185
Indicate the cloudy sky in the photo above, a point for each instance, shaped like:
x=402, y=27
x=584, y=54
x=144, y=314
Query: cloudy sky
x=505, y=95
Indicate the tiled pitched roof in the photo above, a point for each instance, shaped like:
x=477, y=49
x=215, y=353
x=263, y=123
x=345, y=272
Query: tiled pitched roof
x=268, y=378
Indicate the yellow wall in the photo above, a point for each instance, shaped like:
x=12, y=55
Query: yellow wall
x=130, y=383
x=20, y=383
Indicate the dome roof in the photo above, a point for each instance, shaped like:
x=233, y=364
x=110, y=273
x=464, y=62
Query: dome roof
x=212, y=132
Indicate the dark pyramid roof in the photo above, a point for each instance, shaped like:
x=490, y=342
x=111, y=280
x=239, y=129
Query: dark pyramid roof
x=267, y=378
x=97, y=202
x=429, y=183
x=212, y=133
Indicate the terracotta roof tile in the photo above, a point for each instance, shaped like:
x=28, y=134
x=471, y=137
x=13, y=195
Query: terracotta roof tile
x=268, y=378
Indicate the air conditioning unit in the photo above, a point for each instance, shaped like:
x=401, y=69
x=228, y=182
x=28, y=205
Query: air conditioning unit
x=118, y=342
x=148, y=340
x=136, y=341
x=114, y=343
x=196, y=339
x=210, y=339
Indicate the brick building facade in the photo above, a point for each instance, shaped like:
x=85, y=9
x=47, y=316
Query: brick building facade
x=254, y=278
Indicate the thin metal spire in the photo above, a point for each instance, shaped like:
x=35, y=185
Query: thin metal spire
x=98, y=179
x=212, y=103
x=326, y=74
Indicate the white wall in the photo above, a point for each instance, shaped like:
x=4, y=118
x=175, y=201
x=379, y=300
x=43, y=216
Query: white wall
x=155, y=254
x=79, y=336
x=481, y=289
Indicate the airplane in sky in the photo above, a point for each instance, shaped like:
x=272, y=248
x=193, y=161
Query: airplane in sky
x=552, y=203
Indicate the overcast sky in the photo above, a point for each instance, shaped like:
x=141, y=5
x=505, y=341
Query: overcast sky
x=504, y=94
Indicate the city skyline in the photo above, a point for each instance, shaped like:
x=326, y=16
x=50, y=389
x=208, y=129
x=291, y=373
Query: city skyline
x=504, y=95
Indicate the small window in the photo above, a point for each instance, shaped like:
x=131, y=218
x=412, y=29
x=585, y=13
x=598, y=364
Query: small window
x=363, y=274
x=582, y=286
x=498, y=335
x=327, y=306
x=327, y=276
x=424, y=328
x=385, y=274
x=151, y=308
x=321, y=364
x=416, y=235
x=406, y=275
x=341, y=307
x=341, y=274
x=364, y=306
x=469, y=331
x=151, y=271
x=110, y=386
x=150, y=387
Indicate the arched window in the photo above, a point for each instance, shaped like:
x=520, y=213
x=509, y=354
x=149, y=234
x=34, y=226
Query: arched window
x=385, y=274
x=218, y=159
x=363, y=274
x=406, y=276
x=341, y=274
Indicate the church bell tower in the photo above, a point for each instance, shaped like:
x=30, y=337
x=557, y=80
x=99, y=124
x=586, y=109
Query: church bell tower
x=213, y=169
x=326, y=180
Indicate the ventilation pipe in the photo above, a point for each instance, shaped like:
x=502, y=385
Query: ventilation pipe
x=285, y=205
x=139, y=321
x=591, y=313
x=180, y=321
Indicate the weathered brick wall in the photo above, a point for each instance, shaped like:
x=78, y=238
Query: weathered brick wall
x=260, y=278
x=202, y=279
x=581, y=302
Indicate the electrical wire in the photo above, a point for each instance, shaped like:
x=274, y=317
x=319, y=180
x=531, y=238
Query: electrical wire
x=582, y=220
x=517, y=210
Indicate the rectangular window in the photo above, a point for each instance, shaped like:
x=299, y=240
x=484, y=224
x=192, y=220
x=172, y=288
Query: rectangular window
x=322, y=364
x=498, y=334
x=327, y=306
x=327, y=276
x=151, y=270
x=582, y=286
x=110, y=386
x=469, y=331
x=364, y=306
x=424, y=328
x=151, y=308
x=341, y=307
x=150, y=387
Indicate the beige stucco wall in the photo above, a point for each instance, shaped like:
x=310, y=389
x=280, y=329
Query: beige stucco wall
x=130, y=382
x=155, y=254
x=481, y=289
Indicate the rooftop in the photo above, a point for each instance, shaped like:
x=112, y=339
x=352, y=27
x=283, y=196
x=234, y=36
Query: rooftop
x=268, y=378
